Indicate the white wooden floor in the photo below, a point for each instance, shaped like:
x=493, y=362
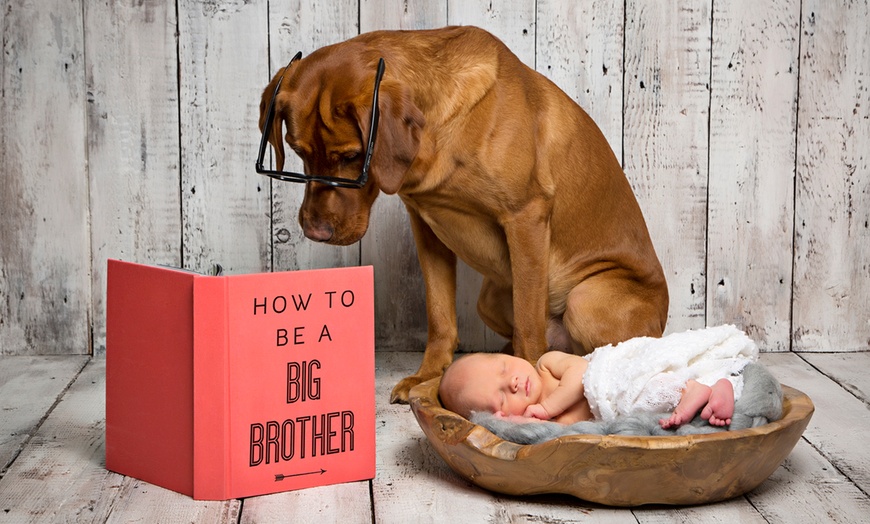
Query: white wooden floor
x=52, y=454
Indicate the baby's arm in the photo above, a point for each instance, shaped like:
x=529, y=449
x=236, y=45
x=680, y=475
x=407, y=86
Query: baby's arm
x=569, y=370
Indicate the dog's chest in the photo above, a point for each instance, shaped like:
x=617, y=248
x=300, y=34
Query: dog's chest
x=474, y=237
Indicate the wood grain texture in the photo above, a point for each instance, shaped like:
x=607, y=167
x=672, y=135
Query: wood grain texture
x=511, y=21
x=611, y=469
x=409, y=469
x=61, y=475
x=133, y=140
x=129, y=128
x=304, y=25
x=847, y=369
x=29, y=387
x=846, y=449
x=751, y=183
x=138, y=501
x=667, y=71
x=832, y=205
x=346, y=503
x=401, y=14
x=45, y=259
x=225, y=204
x=580, y=48
x=734, y=510
x=816, y=490
x=61, y=467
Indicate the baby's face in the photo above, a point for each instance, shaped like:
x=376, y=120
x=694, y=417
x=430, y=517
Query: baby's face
x=501, y=383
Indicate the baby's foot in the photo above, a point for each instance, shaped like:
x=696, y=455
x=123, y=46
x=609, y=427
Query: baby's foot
x=720, y=407
x=695, y=395
x=674, y=421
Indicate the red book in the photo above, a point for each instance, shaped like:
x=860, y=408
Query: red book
x=224, y=387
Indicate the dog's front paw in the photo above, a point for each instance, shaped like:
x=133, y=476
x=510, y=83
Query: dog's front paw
x=401, y=390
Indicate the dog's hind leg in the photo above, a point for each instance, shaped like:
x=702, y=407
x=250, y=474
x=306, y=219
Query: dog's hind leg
x=495, y=307
x=607, y=309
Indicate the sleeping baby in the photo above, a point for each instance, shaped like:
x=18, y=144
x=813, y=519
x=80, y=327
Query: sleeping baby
x=681, y=374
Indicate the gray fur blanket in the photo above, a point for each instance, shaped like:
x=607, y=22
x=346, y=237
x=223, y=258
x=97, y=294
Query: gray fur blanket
x=760, y=403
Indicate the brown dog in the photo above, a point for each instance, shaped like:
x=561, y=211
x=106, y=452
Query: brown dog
x=495, y=165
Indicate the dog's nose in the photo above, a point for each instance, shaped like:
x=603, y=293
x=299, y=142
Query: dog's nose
x=318, y=233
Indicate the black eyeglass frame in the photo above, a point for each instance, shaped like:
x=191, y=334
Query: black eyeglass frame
x=288, y=176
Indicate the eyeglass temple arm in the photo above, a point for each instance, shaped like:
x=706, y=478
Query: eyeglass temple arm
x=270, y=113
x=373, y=128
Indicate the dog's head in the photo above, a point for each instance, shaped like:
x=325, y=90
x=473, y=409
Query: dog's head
x=324, y=104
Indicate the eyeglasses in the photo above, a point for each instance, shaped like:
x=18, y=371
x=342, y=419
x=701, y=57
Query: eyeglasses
x=288, y=176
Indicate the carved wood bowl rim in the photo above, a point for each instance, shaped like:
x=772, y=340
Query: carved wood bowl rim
x=611, y=469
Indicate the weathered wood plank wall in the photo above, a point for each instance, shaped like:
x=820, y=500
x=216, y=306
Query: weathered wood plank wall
x=132, y=142
x=128, y=129
x=751, y=183
x=832, y=204
x=666, y=94
x=45, y=250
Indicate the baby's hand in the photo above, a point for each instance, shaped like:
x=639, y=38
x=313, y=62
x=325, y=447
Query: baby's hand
x=537, y=411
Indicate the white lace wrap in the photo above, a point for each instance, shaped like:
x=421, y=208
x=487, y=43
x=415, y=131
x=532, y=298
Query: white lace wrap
x=648, y=374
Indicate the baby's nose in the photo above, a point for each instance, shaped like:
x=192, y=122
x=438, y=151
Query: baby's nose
x=515, y=384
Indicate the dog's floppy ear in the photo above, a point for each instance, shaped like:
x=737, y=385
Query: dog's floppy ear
x=399, y=127
x=275, y=137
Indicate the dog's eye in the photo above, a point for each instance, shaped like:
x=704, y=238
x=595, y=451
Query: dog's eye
x=350, y=157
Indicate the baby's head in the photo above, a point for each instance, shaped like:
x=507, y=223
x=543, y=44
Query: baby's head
x=492, y=382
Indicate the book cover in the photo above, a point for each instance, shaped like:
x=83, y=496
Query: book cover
x=261, y=383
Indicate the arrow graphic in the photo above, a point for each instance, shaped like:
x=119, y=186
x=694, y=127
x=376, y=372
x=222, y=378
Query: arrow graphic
x=281, y=477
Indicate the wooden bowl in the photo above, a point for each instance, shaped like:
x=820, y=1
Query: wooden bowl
x=615, y=470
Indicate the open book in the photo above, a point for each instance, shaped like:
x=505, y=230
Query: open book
x=223, y=387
